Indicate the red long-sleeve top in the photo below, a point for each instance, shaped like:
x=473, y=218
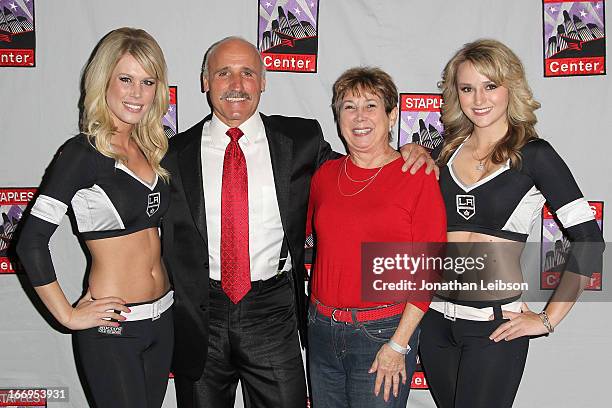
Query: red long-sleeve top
x=394, y=207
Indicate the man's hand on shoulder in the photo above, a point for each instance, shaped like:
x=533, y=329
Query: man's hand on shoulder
x=416, y=156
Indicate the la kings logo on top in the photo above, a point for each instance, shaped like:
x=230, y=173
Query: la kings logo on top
x=466, y=205
x=154, y=200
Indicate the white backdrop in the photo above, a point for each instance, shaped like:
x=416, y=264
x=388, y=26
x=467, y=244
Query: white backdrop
x=410, y=39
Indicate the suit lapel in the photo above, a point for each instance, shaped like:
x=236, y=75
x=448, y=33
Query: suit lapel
x=190, y=165
x=281, y=155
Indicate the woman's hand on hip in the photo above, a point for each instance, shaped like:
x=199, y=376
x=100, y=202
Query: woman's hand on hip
x=526, y=323
x=388, y=365
x=91, y=313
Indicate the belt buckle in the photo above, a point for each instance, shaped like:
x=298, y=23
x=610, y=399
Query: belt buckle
x=156, y=310
x=333, y=315
x=447, y=315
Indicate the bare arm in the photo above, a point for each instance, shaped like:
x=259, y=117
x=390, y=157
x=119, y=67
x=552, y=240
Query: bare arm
x=528, y=323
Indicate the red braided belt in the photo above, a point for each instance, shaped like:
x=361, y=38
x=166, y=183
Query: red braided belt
x=345, y=315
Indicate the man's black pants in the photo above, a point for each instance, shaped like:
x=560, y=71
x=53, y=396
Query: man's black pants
x=254, y=341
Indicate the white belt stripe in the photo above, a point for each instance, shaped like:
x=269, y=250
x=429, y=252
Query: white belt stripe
x=454, y=311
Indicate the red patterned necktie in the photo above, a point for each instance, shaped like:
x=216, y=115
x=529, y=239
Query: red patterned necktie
x=235, y=264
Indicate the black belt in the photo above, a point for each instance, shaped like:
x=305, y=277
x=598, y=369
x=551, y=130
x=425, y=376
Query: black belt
x=257, y=285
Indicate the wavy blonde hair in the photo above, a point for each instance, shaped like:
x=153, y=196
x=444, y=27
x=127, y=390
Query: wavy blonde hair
x=96, y=120
x=500, y=64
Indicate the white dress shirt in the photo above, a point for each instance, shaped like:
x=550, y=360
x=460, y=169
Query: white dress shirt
x=265, y=228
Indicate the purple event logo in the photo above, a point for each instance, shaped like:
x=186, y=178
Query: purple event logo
x=420, y=120
x=170, y=120
x=555, y=248
x=287, y=34
x=13, y=201
x=574, y=38
x=17, y=36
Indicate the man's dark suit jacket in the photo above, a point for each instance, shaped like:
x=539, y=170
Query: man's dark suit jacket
x=297, y=149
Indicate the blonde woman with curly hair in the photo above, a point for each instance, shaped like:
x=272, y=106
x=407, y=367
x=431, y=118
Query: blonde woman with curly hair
x=110, y=175
x=496, y=175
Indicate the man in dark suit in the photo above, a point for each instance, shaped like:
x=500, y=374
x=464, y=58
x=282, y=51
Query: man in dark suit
x=233, y=240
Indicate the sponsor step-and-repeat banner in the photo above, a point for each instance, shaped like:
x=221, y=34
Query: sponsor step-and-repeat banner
x=556, y=246
x=13, y=202
x=21, y=398
x=287, y=34
x=170, y=120
x=17, y=35
x=420, y=120
x=574, y=38
x=419, y=381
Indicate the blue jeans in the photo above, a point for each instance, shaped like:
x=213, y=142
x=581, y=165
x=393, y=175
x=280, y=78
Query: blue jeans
x=340, y=355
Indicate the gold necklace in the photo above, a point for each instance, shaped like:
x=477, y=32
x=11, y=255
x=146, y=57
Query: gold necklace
x=368, y=180
x=481, y=166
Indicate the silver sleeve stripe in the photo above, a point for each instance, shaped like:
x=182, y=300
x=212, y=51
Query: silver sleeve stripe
x=49, y=209
x=94, y=211
x=523, y=217
x=575, y=212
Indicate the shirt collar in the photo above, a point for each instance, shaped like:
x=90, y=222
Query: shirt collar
x=253, y=129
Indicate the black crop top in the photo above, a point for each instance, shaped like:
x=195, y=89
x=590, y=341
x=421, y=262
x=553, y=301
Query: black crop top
x=107, y=199
x=508, y=202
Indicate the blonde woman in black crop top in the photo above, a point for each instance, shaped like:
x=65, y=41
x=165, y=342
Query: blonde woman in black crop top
x=111, y=178
x=496, y=176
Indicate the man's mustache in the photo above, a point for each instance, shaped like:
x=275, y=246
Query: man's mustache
x=235, y=94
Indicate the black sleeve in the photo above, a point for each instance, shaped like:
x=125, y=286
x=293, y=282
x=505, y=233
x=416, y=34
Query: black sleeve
x=72, y=170
x=325, y=151
x=556, y=183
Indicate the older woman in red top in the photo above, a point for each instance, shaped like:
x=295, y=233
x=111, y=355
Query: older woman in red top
x=358, y=348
